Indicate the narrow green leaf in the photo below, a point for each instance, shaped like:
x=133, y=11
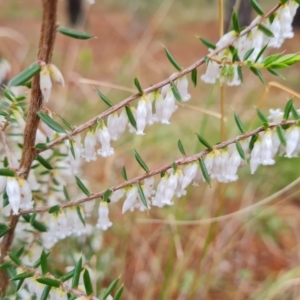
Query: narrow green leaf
x=281, y=136
x=262, y=117
x=273, y=72
x=288, y=108
x=78, y=210
x=207, y=43
x=25, y=75
x=175, y=92
x=252, y=141
x=294, y=112
x=256, y=7
x=248, y=54
x=82, y=186
x=194, y=76
x=106, y=195
x=44, y=265
x=172, y=60
x=119, y=293
x=54, y=209
x=258, y=74
x=130, y=116
x=87, y=282
x=271, y=59
x=138, y=86
x=36, y=224
x=20, y=251
x=240, y=73
x=265, y=30
x=9, y=95
x=174, y=166
x=105, y=99
x=20, y=284
x=15, y=258
x=44, y=162
x=261, y=53
x=180, y=147
x=204, y=171
x=239, y=123
x=49, y=281
x=75, y=34
x=142, y=195
x=77, y=271
x=5, y=265
x=240, y=150
x=46, y=292
x=66, y=193
x=7, y=172
x=110, y=288
x=3, y=229
x=66, y=122
x=235, y=22
x=140, y=161
x=40, y=146
x=72, y=148
x=67, y=276
x=203, y=141
x=22, y=276
x=50, y=122
x=124, y=173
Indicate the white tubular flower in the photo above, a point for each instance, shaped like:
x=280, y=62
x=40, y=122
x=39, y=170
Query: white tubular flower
x=117, y=195
x=75, y=159
x=122, y=123
x=45, y=83
x=104, y=138
x=159, y=107
x=103, y=222
x=209, y=161
x=233, y=165
x=161, y=187
x=131, y=198
x=292, y=136
x=3, y=181
x=255, y=156
x=182, y=86
x=235, y=80
x=75, y=226
x=149, y=100
x=189, y=173
x=243, y=44
x=275, y=27
x=169, y=107
x=140, y=117
x=14, y=194
x=26, y=195
x=180, y=191
x=58, y=294
x=258, y=41
x=112, y=125
x=267, y=148
x=276, y=115
x=89, y=146
x=293, y=6
x=212, y=72
x=285, y=19
x=170, y=189
x=226, y=38
x=56, y=75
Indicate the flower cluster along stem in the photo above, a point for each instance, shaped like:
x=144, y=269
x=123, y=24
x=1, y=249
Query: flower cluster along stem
x=181, y=161
x=155, y=87
x=46, y=44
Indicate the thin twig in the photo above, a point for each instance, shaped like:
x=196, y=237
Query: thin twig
x=181, y=161
x=155, y=86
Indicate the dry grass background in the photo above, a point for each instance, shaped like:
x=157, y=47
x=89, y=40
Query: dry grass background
x=253, y=254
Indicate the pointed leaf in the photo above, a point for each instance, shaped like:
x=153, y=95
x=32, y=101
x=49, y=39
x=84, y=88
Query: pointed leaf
x=294, y=112
x=106, y=195
x=77, y=271
x=235, y=22
x=252, y=141
x=175, y=92
x=138, y=86
x=261, y=53
x=54, y=209
x=248, y=54
x=194, y=76
x=239, y=123
x=66, y=193
x=240, y=73
x=273, y=72
x=203, y=141
x=3, y=229
x=66, y=122
x=256, y=7
x=258, y=74
x=22, y=276
x=142, y=195
x=78, y=210
x=130, y=116
x=44, y=265
x=240, y=150
x=110, y=288
x=46, y=292
x=49, y=281
x=119, y=293
x=25, y=75
x=82, y=186
x=105, y=99
x=207, y=43
x=50, y=122
x=288, y=108
x=124, y=173
x=265, y=30
x=67, y=276
x=172, y=60
x=87, y=282
x=44, y=162
x=180, y=147
x=140, y=161
x=75, y=34
x=41, y=146
x=15, y=258
x=7, y=172
x=263, y=118
x=281, y=136
x=36, y=224
x=204, y=171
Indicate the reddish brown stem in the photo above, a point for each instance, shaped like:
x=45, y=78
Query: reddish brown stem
x=47, y=39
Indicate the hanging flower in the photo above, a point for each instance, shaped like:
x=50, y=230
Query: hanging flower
x=90, y=145
x=103, y=220
x=56, y=75
x=182, y=86
x=103, y=137
x=14, y=194
x=45, y=83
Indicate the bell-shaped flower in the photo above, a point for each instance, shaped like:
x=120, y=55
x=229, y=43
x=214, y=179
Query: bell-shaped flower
x=158, y=199
x=56, y=75
x=292, y=136
x=212, y=72
x=255, y=158
x=159, y=107
x=267, y=148
x=45, y=83
x=276, y=115
x=104, y=138
x=275, y=28
x=14, y=194
x=226, y=39
x=140, y=116
x=117, y=195
x=123, y=121
x=26, y=194
x=182, y=86
x=169, y=107
x=233, y=165
x=90, y=146
x=74, y=156
x=149, y=100
x=113, y=125
x=285, y=19
x=131, y=198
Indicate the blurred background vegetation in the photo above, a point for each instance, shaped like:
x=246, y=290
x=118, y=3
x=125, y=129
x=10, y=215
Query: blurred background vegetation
x=248, y=255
